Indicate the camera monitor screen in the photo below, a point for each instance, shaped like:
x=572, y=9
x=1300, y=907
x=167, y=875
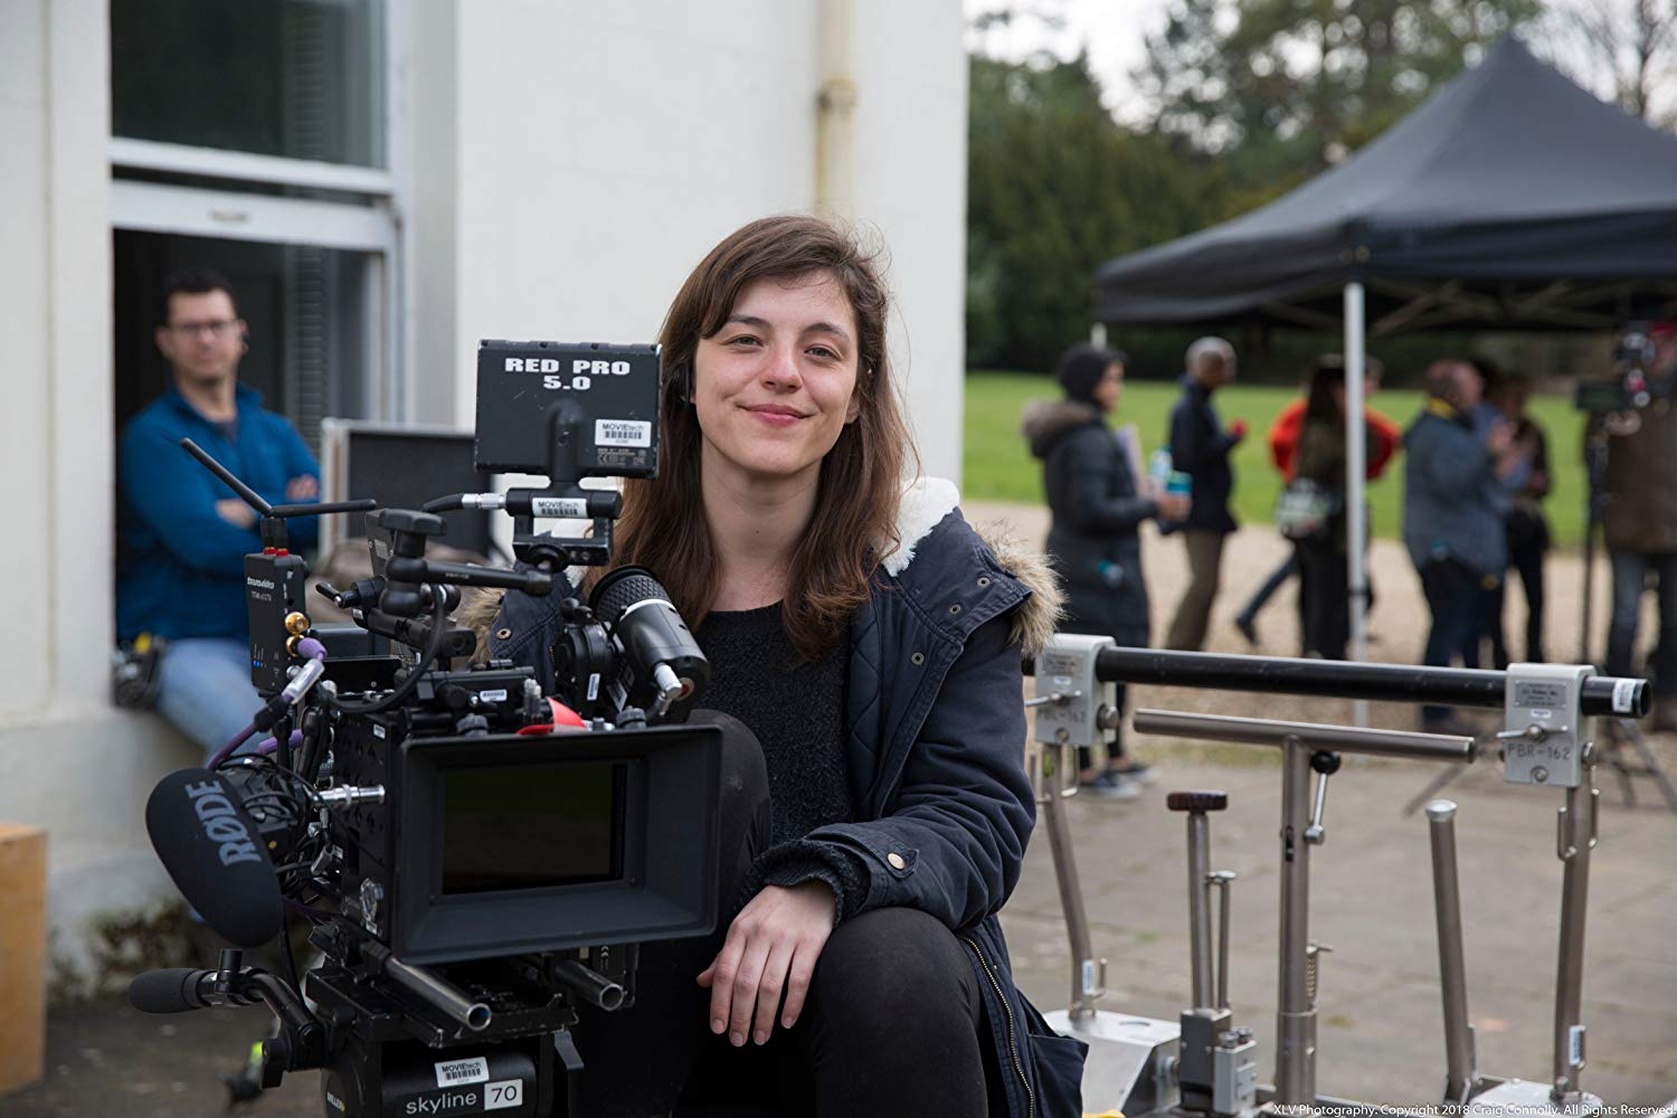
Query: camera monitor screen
x=508, y=844
x=604, y=396
x=532, y=826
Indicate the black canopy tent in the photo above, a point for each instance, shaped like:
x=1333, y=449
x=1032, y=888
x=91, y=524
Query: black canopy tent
x=1511, y=199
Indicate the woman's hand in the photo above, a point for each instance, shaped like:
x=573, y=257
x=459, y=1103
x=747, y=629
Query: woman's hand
x=771, y=948
x=1174, y=506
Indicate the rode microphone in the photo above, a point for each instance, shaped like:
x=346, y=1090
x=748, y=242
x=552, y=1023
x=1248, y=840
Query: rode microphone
x=215, y=856
x=662, y=667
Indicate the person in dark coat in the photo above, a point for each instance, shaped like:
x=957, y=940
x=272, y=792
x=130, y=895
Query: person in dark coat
x=865, y=647
x=1200, y=447
x=1097, y=509
x=1324, y=584
x=1524, y=523
x=1639, y=526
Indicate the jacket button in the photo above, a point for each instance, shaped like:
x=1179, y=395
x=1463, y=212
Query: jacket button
x=502, y=634
x=983, y=580
x=954, y=609
x=918, y=658
x=895, y=861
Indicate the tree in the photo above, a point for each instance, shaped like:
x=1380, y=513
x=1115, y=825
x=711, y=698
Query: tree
x=1632, y=42
x=1055, y=187
x=1286, y=88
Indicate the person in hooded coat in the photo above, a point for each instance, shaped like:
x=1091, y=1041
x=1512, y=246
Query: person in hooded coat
x=1098, y=507
x=866, y=651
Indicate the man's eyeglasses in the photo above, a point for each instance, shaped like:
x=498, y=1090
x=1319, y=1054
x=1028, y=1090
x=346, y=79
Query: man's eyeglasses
x=220, y=328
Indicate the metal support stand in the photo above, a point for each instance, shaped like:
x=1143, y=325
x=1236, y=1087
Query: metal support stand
x=1088, y=981
x=1549, y=712
x=1305, y=747
x=1617, y=733
x=1577, y=828
x=1460, y=1058
x=1295, y=1017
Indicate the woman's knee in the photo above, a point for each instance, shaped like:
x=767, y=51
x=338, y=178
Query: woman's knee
x=895, y=966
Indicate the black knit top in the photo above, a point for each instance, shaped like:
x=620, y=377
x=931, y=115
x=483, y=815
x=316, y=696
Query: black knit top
x=797, y=711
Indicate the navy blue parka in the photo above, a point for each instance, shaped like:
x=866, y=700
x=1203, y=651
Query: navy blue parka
x=935, y=734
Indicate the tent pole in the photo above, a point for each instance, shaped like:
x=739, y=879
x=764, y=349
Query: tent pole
x=1356, y=457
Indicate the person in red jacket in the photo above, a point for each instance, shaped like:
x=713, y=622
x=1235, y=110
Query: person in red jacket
x=1384, y=439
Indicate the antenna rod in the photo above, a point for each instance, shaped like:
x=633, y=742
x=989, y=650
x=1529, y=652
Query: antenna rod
x=249, y=495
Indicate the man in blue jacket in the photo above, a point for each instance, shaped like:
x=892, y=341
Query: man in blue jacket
x=1452, y=522
x=1199, y=447
x=184, y=532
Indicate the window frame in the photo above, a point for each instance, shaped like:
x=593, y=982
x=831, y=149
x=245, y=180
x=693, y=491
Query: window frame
x=232, y=210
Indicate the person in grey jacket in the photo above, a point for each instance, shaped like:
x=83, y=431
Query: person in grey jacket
x=865, y=648
x=1452, y=517
x=1097, y=510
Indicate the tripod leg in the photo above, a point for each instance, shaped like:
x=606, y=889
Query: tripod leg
x=1615, y=760
x=1433, y=788
x=1651, y=764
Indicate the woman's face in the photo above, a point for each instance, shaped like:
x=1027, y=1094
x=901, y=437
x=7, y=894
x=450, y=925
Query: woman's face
x=776, y=385
x=1109, y=388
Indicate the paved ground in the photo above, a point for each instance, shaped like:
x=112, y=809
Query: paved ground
x=1371, y=900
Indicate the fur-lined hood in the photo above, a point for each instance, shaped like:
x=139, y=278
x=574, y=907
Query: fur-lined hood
x=1046, y=420
x=925, y=503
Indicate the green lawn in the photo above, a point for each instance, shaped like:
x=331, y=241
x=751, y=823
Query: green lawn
x=997, y=466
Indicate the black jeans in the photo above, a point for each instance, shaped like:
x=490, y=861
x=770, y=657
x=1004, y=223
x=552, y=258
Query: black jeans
x=1527, y=560
x=1283, y=571
x=1631, y=572
x=1454, y=594
x=891, y=1025
x=1325, y=590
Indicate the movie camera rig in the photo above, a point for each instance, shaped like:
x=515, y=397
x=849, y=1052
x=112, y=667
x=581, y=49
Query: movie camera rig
x=1616, y=407
x=1204, y=1063
x=479, y=851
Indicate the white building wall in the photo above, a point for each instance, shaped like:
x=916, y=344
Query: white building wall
x=68, y=761
x=596, y=152
x=911, y=182
x=564, y=166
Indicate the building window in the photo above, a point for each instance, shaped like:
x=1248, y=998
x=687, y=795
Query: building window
x=252, y=136
x=299, y=79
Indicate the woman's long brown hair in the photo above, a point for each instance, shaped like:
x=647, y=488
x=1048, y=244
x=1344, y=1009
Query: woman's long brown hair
x=663, y=525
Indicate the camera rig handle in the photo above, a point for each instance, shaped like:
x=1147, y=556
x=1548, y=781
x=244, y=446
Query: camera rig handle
x=563, y=501
x=1608, y=696
x=301, y=1041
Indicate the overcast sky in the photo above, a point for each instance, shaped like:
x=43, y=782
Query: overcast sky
x=1114, y=30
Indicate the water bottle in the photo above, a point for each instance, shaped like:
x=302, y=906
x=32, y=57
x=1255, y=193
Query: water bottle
x=1179, y=484
x=1159, y=469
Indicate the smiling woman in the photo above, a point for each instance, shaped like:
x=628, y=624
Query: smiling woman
x=777, y=384
x=865, y=646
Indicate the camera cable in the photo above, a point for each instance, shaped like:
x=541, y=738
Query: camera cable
x=433, y=646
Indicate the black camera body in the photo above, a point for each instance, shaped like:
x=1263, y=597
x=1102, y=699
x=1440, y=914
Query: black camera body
x=478, y=860
x=1634, y=354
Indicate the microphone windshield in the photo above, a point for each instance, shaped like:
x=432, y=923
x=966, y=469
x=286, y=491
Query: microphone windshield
x=215, y=855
